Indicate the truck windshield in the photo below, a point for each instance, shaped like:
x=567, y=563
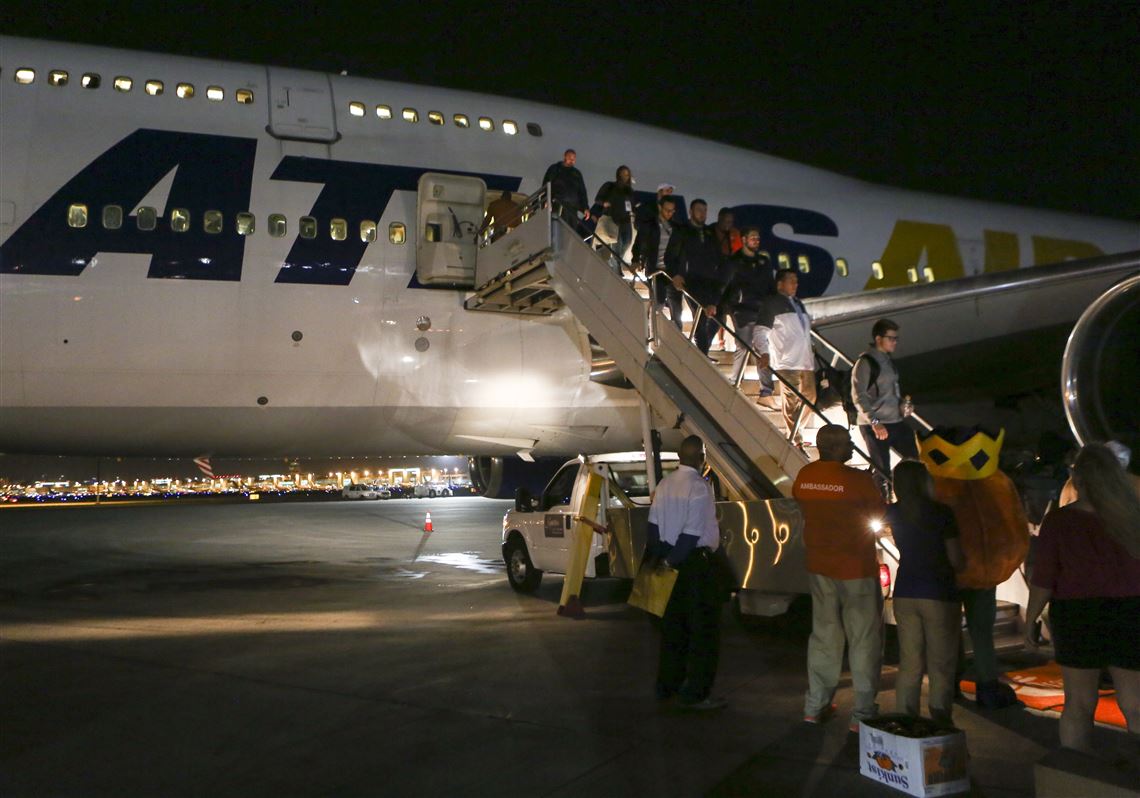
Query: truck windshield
x=632, y=478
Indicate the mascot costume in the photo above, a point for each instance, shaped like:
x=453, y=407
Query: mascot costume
x=994, y=533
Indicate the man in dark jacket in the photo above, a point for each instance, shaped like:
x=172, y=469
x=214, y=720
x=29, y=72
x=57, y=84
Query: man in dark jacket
x=649, y=248
x=568, y=189
x=693, y=261
x=751, y=278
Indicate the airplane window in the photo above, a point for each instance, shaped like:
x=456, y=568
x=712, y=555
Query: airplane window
x=307, y=227
x=90, y=80
x=486, y=123
x=397, y=233
x=367, y=231
x=244, y=96
x=435, y=117
x=277, y=225
x=246, y=223
x=338, y=229
x=384, y=111
x=58, y=77
x=153, y=87
x=784, y=261
x=841, y=266
x=77, y=215
x=411, y=115
x=461, y=120
x=912, y=274
x=928, y=274
x=509, y=127
x=534, y=128
x=212, y=222
x=25, y=75
x=185, y=90
x=112, y=217
x=877, y=270
x=215, y=93
x=123, y=83
x=180, y=220
x=803, y=264
x=356, y=109
x=146, y=217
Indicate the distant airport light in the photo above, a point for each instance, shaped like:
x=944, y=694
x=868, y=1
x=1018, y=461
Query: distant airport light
x=510, y=128
x=215, y=93
x=122, y=83
x=435, y=117
x=384, y=111
x=356, y=109
x=461, y=120
x=410, y=115
x=244, y=96
x=485, y=123
x=90, y=80
x=154, y=87
x=185, y=90
x=58, y=77
x=877, y=270
x=25, y=75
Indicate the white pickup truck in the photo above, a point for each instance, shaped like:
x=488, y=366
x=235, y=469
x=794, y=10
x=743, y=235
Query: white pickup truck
x=763, y=539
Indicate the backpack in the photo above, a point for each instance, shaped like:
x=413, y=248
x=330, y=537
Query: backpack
x=835, y=384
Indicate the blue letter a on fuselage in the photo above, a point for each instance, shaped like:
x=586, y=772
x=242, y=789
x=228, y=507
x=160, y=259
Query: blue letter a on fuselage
x=214, y=173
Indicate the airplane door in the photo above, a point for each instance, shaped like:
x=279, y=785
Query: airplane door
x=300, y=106
x=449, y=212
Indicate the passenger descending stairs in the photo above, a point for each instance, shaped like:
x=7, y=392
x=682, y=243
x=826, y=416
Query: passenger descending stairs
x=548, y=262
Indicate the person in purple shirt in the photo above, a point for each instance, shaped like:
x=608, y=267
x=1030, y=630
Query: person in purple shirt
x=927, y=608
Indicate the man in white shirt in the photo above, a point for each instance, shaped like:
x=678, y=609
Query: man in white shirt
x=783, y=334
x=683, y=531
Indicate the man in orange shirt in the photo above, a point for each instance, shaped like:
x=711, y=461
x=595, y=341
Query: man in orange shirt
x=839, y=505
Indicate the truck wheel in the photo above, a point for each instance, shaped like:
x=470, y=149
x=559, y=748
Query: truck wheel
x=521, y=573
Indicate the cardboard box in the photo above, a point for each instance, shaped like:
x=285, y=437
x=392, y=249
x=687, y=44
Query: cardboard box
x=913, y=755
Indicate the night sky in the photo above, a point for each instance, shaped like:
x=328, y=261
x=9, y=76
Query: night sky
x=1035, y=106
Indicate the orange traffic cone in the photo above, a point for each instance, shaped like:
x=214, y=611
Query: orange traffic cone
x=427, y=523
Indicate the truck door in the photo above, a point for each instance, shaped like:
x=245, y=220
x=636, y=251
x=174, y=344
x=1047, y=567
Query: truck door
x=557, y=516
x=449, y=212
x=300, y=106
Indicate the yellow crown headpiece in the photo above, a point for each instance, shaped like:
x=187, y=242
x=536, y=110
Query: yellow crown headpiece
x=957, y=453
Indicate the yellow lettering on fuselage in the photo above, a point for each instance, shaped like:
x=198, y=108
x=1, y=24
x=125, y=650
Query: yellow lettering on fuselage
x=1055, y=250
x=1002, y=251
x=909, y=240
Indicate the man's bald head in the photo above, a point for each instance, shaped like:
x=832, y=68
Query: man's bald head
x=834, y=443
x=692, y=452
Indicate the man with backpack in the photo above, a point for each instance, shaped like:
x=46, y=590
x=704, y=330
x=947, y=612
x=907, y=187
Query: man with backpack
x=878, y=403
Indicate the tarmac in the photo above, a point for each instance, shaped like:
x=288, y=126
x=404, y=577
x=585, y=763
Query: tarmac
x=335, y=649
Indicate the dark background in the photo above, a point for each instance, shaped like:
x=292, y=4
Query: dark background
x=1032, y=105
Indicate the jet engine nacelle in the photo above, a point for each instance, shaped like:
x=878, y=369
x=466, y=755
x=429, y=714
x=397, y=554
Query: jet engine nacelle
x=1100, y=373
x=500, y=477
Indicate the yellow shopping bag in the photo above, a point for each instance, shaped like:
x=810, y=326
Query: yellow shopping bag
x=653, y=587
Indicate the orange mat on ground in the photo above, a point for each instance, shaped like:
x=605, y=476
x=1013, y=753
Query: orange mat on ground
x=1041, y=689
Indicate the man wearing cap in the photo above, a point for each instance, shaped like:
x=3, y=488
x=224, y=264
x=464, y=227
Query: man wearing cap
x=647, y=211
x=683, y=531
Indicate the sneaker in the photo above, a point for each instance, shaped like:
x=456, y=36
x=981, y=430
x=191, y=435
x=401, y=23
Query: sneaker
x=822, y=716
x=704, y=705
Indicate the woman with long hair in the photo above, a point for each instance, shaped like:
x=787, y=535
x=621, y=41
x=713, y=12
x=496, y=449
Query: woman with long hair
x=927, y=608
x=1088, y=569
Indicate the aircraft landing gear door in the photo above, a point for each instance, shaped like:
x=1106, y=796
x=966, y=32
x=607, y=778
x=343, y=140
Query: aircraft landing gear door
x=300, y=106
x=449, y=212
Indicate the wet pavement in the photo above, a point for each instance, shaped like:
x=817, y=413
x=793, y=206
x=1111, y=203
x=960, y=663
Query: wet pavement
x=335, y=649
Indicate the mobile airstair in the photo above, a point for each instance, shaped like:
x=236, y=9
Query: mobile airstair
x=543, y=264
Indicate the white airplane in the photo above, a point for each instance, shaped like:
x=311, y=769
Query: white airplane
x=199, y=257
